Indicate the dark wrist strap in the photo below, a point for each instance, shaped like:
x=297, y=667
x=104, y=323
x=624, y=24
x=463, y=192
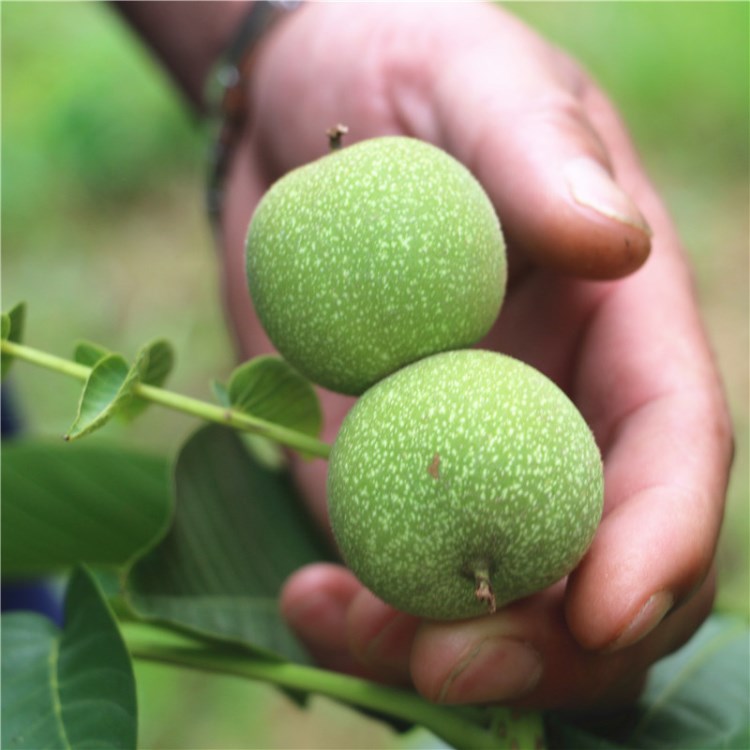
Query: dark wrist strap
x=227, y=96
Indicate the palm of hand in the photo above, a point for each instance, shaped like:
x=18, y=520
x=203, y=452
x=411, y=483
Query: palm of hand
x=630, y=353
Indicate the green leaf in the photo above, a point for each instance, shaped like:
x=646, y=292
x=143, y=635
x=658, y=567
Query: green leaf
x=696, y=699
x=153, y=363
x=107, y=388
x=113, y=392
x=268, y=453
x=68, y=689
x=12, y=330
x=269, y=388
x=88, y=353
x=701, y=695
x=89, y=502
x=239, y=531
x=221, y=394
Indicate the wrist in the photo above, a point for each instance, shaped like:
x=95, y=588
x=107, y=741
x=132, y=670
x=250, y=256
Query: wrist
x=227, y=93
x=188, y=38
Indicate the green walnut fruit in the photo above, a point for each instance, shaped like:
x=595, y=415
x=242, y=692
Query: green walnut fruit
x=374, y=256
x=462, y=482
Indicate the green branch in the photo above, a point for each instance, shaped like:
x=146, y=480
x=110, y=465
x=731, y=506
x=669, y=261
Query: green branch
x=169, y=399
x=451, y=725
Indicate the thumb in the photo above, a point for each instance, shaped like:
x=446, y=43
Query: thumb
x=518, y=113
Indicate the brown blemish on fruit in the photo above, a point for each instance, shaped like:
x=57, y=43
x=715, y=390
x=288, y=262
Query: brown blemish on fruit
x=434, y=468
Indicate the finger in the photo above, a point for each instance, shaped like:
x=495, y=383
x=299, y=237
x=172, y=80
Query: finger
x=658, y=537
x=315, y=602
x=381, y=637
x=345, y=627
x=647, y=385
x=525, y=656
x=528, y=138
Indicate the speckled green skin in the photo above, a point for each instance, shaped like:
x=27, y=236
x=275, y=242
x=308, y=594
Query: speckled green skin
x=372, y=257
x=463, y=459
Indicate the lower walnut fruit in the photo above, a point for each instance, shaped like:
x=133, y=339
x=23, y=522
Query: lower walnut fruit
x=462, y=482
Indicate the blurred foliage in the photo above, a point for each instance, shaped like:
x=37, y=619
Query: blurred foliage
x=103, y=226
x=677, y=71
x=86, y=119
x=104, y=234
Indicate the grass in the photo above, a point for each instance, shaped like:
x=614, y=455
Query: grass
x=103, y=234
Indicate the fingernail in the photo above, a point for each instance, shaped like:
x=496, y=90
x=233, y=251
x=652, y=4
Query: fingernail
x=591, y=186
x=648, y=617
x=498, y=669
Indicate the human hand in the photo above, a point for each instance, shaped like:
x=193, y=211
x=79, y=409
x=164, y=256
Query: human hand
x=631, y=352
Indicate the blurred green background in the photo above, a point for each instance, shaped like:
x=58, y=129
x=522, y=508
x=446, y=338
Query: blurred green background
x=104, y=235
